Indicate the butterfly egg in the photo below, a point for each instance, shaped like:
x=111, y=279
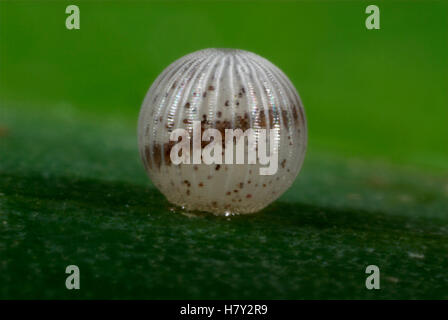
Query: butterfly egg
x=225, y=170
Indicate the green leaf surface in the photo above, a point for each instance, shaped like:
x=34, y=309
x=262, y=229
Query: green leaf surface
x=74, y=192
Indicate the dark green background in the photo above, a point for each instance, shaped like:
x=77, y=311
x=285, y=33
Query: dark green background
x=373, y=189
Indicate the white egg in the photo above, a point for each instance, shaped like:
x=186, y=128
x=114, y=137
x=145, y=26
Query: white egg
x=222, y=89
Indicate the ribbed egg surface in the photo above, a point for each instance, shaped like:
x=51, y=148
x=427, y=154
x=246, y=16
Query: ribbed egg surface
x=222, y=171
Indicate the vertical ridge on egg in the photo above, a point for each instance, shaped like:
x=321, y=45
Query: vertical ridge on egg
x=223, y=89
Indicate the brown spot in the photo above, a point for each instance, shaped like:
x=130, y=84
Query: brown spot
x=227, y=103
x=283, y=163
x=214, y=204
x=236, y=191
x=167, y=152
x=241, y=185
x=294, y=114
x=174, y=85
x=218, y=166
x=249, y=196
x=186, y=121
x=157, y=155
x=264, y=185
x=204, y=94
x=211, y=88
x=187, y=183
x=249, y=182
x=219, y=114
x=195, y=167
x=242, y=123
x=228, y=193
x=243, y=90
x=285, y=119
x=169, y=125
x=200, y=184
x=221, y=127
x=187, y=105
x=263, y=119
x=209, y=177
x=237, y=103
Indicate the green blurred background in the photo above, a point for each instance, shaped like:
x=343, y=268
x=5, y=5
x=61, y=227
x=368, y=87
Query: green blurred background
x=373, y=189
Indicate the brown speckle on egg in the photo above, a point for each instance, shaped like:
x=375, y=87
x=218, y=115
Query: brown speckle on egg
x=294, y=113
x=283, y=163
x=157, y=154
x=167, y=151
